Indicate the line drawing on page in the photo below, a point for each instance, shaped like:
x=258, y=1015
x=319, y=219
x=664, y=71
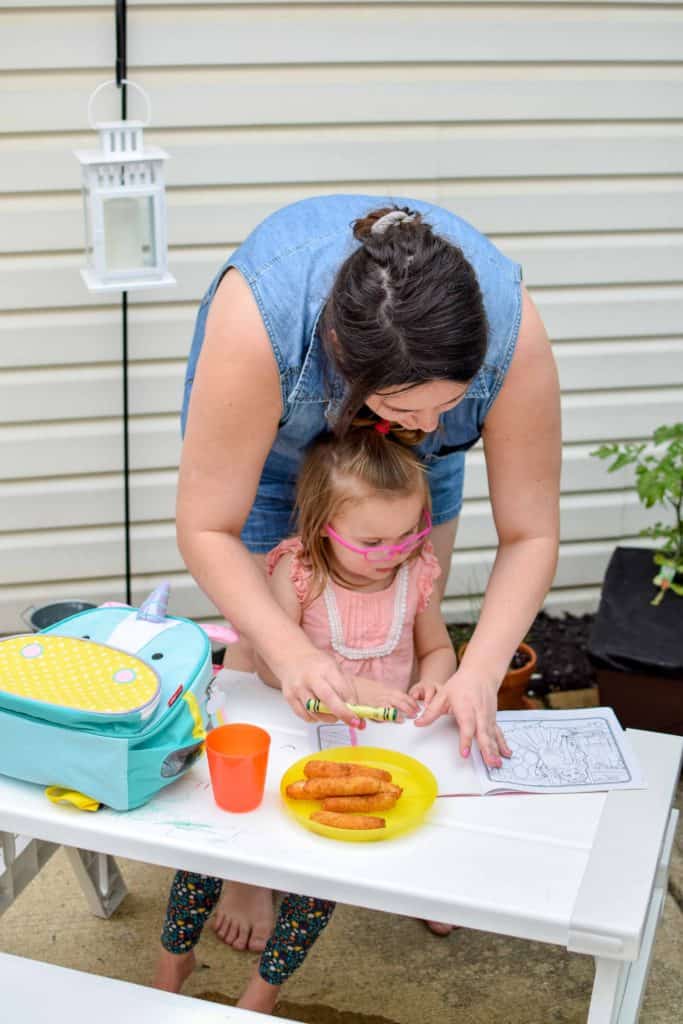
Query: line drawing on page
x=571, y=752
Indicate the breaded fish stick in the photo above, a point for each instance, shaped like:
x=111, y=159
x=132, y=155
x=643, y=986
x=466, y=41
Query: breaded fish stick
x=295, y=790
x=353, y=821
x=359, y=804
x=390, y=787
x=318, y=789
x=353, y=785
x=335, y=769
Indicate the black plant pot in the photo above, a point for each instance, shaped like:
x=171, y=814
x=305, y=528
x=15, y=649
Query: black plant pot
x=637, y=649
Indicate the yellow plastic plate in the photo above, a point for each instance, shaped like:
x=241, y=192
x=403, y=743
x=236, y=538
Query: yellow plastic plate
x=418, y=783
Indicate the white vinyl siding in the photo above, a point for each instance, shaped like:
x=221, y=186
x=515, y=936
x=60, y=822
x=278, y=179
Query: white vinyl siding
x=553, y=127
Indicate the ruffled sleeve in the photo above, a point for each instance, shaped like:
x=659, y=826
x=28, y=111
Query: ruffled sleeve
x=428, y=570
x=299, y=573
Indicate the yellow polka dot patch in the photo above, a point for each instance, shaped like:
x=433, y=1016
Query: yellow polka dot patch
x=76, y=674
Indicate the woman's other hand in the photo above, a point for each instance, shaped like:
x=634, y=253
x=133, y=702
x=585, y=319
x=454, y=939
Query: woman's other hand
x=473, y=705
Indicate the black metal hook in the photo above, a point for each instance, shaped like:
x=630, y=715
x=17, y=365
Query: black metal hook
x=121, y=73
x=121, y=57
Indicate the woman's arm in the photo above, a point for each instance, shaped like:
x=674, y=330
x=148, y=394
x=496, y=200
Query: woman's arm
x=522, y=443
x=233, y=419
x=436, y=661
x=282, y=589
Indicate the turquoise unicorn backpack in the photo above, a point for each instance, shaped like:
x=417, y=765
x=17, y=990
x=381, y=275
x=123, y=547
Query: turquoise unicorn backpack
x=107, y=706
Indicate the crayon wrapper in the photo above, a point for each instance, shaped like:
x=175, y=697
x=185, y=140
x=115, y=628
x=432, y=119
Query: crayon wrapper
x=388, y=714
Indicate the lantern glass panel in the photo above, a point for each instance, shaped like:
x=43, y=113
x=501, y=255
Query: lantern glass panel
x=129, y=235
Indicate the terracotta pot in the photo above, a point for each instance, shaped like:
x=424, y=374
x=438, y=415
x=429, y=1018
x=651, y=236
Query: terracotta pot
x=515, y=682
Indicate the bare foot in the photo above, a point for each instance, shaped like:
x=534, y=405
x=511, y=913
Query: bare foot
x=244, y=916
x=439, y=928
x=173, y=970
x=259, y=995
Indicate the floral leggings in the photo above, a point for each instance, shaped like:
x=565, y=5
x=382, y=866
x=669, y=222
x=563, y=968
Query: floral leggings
x=299, y=923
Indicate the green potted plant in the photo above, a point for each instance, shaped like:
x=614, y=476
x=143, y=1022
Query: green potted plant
x=636, y=642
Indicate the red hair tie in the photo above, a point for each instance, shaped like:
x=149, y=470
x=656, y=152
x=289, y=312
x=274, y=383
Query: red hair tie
x=383, y=426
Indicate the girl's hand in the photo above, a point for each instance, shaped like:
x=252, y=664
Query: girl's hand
x=378, y=695
x=317, y=675
x=423, y=691
x=473, y=704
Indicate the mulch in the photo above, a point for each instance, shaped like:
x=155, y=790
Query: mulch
x=561, y=645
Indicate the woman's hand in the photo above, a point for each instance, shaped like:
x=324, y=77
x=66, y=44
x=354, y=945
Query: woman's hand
x=379, y=695
x=473, y=705
x=316, y=675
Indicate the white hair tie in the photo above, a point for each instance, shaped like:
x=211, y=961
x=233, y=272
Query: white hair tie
x=393, y=217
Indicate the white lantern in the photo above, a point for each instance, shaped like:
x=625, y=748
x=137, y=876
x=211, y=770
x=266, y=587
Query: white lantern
x=124, y=205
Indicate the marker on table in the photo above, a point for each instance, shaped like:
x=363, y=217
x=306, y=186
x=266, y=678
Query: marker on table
x=316, y=707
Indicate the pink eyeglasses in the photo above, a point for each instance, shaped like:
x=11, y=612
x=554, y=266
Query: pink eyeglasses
x=386, y=551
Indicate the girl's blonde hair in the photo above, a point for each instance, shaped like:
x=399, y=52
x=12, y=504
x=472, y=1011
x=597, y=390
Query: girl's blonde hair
x=338, y=470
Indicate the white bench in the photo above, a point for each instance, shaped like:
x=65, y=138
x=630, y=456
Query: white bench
x=38, y=993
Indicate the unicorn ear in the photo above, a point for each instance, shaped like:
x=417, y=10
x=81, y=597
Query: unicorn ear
x=153, y=608
x=221, y=634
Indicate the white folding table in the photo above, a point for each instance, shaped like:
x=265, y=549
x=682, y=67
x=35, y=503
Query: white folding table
x=599, y=861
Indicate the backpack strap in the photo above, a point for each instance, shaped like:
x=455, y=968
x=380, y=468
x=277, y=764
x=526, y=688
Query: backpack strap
x=198, y=732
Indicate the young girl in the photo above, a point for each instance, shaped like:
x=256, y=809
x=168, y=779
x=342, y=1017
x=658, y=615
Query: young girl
x=359, y=575
x=358, y=579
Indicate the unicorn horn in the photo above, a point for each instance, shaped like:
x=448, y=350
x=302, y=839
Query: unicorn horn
x=153, y=608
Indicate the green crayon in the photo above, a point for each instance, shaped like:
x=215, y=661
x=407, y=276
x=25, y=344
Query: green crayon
x=316, y=707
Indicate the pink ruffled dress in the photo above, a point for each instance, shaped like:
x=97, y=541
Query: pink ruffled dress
x=368, y=634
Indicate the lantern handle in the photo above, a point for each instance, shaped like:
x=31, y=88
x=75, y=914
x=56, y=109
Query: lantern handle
x=124, y=81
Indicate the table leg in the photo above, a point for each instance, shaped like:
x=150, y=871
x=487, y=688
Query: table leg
x=22, y=859
x=619, y=985
x=97, y=873
x=99, y=878
x=608, y=990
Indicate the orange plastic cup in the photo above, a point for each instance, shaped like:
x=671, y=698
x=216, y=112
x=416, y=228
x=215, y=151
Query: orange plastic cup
x=238, y=758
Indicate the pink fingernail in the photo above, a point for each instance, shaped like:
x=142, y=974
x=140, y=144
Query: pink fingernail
x=466, y=752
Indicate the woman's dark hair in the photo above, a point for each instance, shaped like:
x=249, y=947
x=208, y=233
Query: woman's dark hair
x=406, y=309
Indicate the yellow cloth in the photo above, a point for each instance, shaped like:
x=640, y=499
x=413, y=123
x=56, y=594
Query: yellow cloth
x=59, y=795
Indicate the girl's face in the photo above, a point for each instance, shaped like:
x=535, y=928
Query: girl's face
x=419, y=407
x=370, y=522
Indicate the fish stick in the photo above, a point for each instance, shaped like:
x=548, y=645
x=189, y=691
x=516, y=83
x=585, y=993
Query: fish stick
x=317, y=789
x=352, y=821
x=337, y=769
x=359, y=804
x=390, y=787
x=295, y=790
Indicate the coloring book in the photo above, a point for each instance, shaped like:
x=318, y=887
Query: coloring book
x=572, y=751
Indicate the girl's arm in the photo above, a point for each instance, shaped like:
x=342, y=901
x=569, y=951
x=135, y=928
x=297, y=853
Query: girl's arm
x=436, y=661
x=522, y=444
x=233, y=419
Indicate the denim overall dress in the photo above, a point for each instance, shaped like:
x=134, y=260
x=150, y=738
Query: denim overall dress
x=289, y=262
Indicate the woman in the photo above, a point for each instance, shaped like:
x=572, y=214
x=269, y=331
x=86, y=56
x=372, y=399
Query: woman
x=343, y=302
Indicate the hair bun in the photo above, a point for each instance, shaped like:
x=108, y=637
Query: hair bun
x=376, y=223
